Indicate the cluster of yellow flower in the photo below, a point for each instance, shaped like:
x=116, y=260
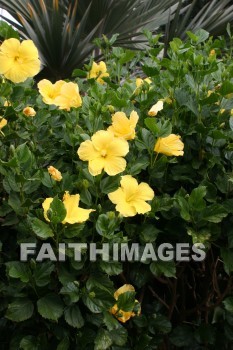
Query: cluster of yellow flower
x=62, y=94
x=106, y=149
x=66, y=95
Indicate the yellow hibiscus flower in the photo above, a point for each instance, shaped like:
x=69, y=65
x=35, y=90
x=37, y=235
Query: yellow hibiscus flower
x=19, y=61
x=156, y=108
x=170, y=145
x=55, y=174
x=68, y=97
x=131, y=197
x=124, y=127
x=74, y=214
x=29, y=111
x=122, y=315
x=104, y=152
x=98, y=71
x=49, y=91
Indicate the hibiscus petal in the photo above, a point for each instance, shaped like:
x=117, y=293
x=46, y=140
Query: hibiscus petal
x=30, y=68
x=10, y=47
x=114, y=165
x=46, y=205
x=126, y=209
x=5, y=63
x=125, y=288
x=77, y=216
x=141, y=206
x=101, y=139
x=133, y=118
x=117, y=196
x=145, y=192
x=118, y=148
x=120, y=122
x=28, y=50
x=87, y=152
x=45, y=86
x=96, y=166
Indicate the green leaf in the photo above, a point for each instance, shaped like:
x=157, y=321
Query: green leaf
x=226, y=88
x=105, y=225
x=126, y=301
x=101, y=298
x=103, y=340
x=90, y=304
x=228, y=303
x=17, y=269
x=231, y=123
x=149, y=233
x=101, y=281
x=85, y=196
x=24, y=155
x=162, y=324
x=64, y=344
x=19, y=310
x=79, y=73
x=73, y=230
x=109, y=184
x=184, y=208
x=196, y=199
x=72, y=291
x=40, y=228
x=119, y=336
x=192, y=36
x=227, y=256
x=182, y=336
x=57, y=211
x=127, y=56
x=202, y=35
x=110, y=321
x=7, y=32
x=151, y=124
x=140, y=164
x=166, y=268
x=42, y=273
x=29, y=343
x=50, y=307
x=143, y=342
x=74, y=317
x=214, y=213
x=111, y=268
x=165, y=128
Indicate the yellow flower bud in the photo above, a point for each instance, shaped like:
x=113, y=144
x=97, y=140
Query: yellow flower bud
x=156, y=108
x=55, y=174
x=29, y=111
x=170, y=145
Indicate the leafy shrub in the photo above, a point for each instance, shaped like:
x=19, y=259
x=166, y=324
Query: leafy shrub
x=164, y=304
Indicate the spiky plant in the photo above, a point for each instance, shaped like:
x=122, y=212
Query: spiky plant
x=63, y=31
x=211, y=15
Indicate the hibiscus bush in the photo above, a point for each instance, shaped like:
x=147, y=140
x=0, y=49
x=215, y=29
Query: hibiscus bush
x=133, y=149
